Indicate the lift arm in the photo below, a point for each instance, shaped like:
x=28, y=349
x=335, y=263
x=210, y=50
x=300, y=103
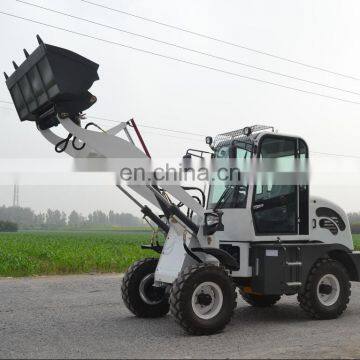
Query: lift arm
x=108, y=145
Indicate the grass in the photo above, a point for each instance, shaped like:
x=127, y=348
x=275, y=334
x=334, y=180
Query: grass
x=50, y=253
x=356, y=239
x=92, y=228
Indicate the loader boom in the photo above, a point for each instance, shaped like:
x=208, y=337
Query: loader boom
x=108, y=145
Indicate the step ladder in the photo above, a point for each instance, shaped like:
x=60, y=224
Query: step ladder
x=292, y=268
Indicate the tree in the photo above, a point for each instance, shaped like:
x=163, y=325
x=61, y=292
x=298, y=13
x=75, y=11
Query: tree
x=39, y=220
x=55, y=218
x=8, y=226
x=123, y=219
x=98, y=218
x=26, y=218
x=75, y=219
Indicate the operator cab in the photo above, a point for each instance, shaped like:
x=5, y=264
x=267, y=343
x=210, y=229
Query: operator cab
x=277, y=201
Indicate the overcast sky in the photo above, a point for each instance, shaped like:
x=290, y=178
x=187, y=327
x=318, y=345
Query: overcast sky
x=168, y=94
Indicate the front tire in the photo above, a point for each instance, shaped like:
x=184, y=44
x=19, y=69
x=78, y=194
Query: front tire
x=138, y=293
x=260, y=300
x=327, y=290
x=203, y=299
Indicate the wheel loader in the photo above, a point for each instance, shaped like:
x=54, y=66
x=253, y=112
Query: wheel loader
x=259, y=240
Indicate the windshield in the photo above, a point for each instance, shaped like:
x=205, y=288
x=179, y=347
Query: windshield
x=228, y=193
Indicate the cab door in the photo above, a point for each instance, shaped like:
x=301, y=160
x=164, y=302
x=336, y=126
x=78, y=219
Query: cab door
x=280, y=206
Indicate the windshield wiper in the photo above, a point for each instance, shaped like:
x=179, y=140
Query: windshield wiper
x=224, y=196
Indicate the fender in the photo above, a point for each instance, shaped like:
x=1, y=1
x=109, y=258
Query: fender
x=224, y=257
x=339, y=252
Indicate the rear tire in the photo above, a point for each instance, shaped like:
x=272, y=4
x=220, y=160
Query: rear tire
x=327, y=290
x=138, y=293
x=260, y=300
x=202, y=299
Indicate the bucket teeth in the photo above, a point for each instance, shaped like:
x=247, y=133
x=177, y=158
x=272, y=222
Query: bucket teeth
x=39, y=40
x=64, y=78
x=6, y=75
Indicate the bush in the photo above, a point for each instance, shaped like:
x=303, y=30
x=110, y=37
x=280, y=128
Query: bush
x=8, y=226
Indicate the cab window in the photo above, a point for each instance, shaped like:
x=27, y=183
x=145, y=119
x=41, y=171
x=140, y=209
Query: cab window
x=275, y=202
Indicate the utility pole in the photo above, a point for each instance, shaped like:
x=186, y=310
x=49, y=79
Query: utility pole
x=16, y=196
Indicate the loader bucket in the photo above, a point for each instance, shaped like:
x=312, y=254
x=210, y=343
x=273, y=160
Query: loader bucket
x=51, y=80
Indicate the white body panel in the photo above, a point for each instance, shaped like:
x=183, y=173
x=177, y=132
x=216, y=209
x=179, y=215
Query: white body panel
x=174, y=257
x=324, y=235
x=238, y=226
x=239, y=231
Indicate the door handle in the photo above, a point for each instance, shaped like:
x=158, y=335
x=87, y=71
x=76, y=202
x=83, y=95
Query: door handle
x=313, y=223
x=258, y=206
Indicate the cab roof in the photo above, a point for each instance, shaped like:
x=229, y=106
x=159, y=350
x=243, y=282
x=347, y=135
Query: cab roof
x=246, y=135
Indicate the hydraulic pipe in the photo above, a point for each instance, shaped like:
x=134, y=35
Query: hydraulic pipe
x=146, y=211
x=174, y=210
x=133, y=124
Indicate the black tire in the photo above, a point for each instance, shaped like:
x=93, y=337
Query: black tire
x=260, y=300
x=181, y=295
x=310, y=296
x=157, y=301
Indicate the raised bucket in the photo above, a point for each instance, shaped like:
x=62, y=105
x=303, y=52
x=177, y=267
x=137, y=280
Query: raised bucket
x=51, y=80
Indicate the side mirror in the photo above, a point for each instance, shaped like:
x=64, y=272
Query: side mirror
x=247, y=131
x=209, y=140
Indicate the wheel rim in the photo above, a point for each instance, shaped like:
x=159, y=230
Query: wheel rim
x=207, y=300
x=328, y=290
x=150, y=294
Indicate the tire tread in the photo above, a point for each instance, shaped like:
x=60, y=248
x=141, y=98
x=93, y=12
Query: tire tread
x=305, y=296
x=140, y=311
x=176, y=301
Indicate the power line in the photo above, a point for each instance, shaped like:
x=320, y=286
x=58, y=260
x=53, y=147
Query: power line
x=222, y=41
x=148, y=126
x=6, y=102
x=144, y=126
x=183, y=132
x=338, y=155
x=172, y=136
x=181, y=60
x=189, y=49
x=175, y=131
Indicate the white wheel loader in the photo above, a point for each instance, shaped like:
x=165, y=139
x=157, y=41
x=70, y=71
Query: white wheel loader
x=266, y=240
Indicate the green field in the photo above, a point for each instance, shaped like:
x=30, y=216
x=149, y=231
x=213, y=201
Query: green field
x=356, y=239
x=50, y=253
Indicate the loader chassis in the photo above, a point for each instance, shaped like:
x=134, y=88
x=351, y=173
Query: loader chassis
x=283, y=268
x=279, y=240
x=268, y=239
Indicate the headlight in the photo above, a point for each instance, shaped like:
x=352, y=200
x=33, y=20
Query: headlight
x=212, y=219
x=213, y=223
